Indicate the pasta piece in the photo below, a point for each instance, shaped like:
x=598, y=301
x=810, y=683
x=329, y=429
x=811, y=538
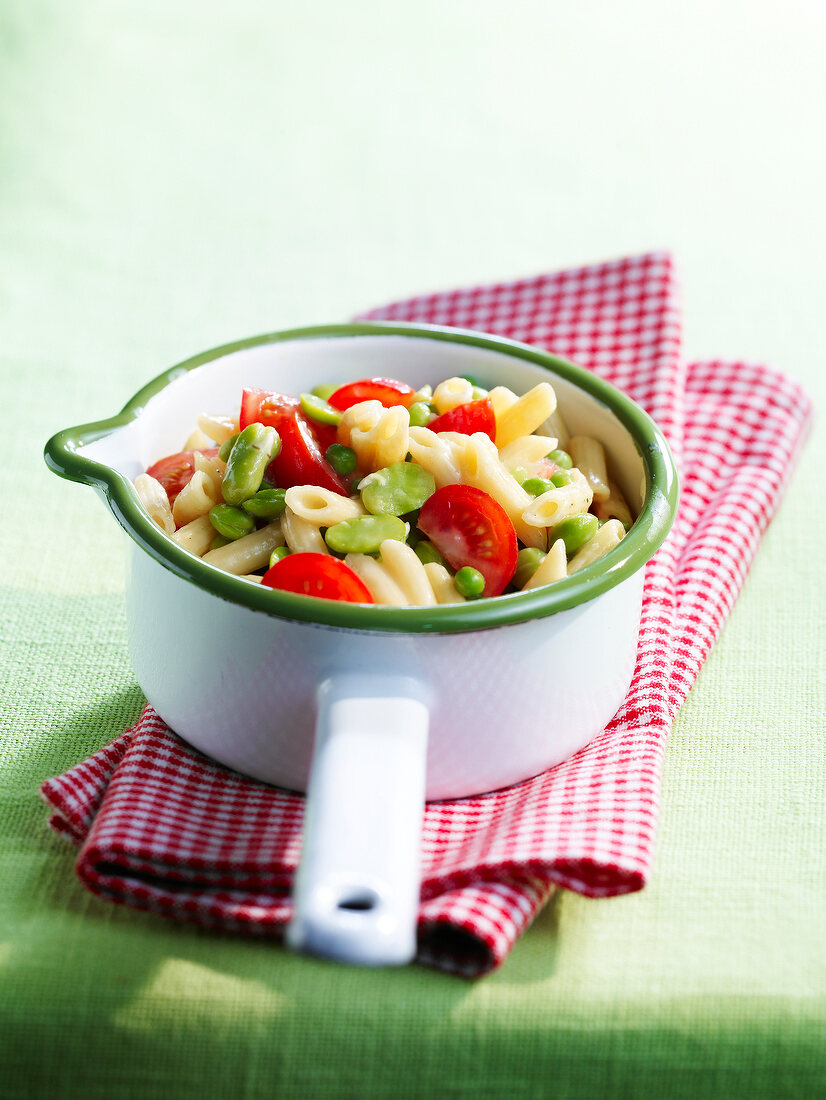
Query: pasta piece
x=408, y=572
x=197, y=441
x=302, y=535
x=442, y=584
x=554, y=425
x=480, y=466
x=219, y=427
x=589, y=457
x=502, y=399
x=249, y=553
x=379, y=436
x=557, y=504
x=615, y=507
x=526, y=414
x=606, y=538
x=256, y=578
x=553, y=567
x=452, y=393
x=436, y=453
x=195, y=499
x=212, y=467
x=383, y=588
x=196, y=536
x=322, y=507
x=152, y=496
x=526, y=452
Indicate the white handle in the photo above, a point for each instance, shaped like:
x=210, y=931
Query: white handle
x=356, y=895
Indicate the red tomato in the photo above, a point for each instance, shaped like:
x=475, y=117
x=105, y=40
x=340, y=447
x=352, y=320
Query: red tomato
x=317, y=575
x=474, y=416
x=174, y=471
x=301, y=459
x=264, y=407
x=468, y=527
x=387, y=390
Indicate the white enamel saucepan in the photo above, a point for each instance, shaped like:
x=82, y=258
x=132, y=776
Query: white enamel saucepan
x=373, y=709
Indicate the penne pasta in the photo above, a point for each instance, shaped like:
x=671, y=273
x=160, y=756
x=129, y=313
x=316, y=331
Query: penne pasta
x=615, y=507
x=152, y=496
x=442, y=584
x=402, y=564
x=525, y=415
x=196, y=536
x=249, y=553
x=589, y=458
x=606, y=538
x=557, y=504
x=480, y=467
x=195, y=499
x=553, y=567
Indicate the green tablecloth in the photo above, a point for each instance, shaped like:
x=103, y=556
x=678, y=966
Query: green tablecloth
x=177, y=175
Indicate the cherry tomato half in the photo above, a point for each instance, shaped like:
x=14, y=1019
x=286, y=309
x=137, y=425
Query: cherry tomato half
x=301, y=459
x=388, y=391
x=468, y=527
x=474, y=416
x=174, y=471
x=317, y=575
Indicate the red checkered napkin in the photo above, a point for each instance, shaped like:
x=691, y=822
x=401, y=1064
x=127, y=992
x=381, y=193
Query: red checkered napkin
x=162, y=828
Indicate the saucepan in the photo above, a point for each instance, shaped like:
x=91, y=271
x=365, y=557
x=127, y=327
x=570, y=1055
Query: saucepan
x=373, y=709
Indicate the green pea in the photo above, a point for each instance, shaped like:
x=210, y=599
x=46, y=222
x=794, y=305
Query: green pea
x=536, y=486
x=365, y=534
x=560, y=478
x=561, y=458
x=397, y=489
x=575, y=531
x=226, y=447
x=278, y=553
x=528, y=561
x=341, y=458
x=231, y=522
x=319, y=410
x=469, y=582
x=267, y=503
x=421, y=413
x=425, y=551
x=325, y=391
x=252, y=452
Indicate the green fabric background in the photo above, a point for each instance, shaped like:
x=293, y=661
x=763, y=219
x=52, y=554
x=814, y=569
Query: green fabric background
x=174, y=175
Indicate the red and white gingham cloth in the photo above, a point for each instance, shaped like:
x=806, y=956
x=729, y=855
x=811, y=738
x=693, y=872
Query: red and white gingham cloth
x=162, y=828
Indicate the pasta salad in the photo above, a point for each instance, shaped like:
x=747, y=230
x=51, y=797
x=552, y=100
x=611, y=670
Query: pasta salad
x=373, y=492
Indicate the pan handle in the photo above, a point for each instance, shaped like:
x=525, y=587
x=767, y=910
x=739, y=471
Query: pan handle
x=356, y=895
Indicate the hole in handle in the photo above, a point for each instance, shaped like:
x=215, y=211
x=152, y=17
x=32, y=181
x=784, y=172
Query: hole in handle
x=358, y=901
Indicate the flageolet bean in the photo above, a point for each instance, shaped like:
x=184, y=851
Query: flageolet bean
x=365, y=534
x=231, y=522
x=397, y=489
x=252, y=452
x=267, y=503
